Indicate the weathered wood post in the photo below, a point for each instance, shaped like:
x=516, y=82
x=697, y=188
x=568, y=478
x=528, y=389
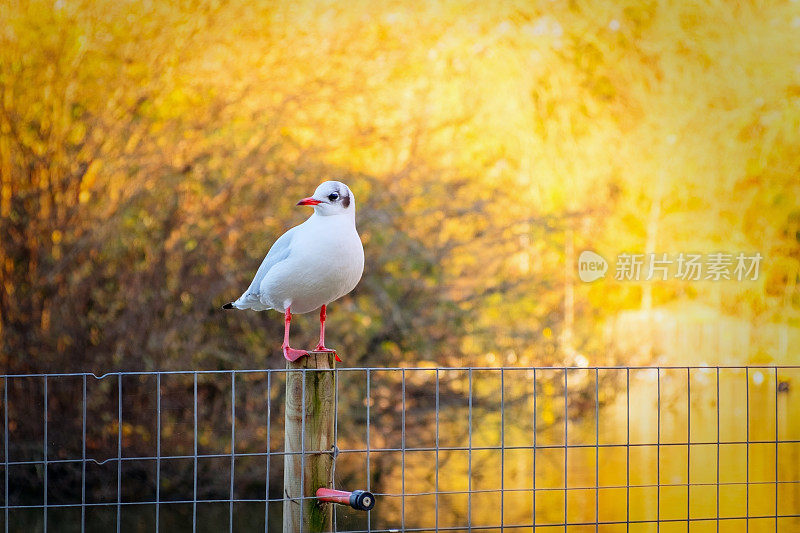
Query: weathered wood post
x=308, y=462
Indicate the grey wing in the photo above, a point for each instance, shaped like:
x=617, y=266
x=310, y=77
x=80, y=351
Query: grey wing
x=279, y=251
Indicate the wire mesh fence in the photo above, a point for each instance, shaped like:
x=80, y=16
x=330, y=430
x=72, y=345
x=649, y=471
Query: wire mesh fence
x=443, y=449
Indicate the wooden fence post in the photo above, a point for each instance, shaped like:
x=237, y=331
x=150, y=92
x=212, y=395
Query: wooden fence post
x=308, y=462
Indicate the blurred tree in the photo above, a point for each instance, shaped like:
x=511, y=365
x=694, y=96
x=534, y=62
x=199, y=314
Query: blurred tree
x=151, y=154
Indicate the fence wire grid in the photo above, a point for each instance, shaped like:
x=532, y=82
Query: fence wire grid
x=689, y=448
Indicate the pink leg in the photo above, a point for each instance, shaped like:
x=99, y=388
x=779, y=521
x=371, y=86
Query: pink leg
x=291, y=354
x=321, y=346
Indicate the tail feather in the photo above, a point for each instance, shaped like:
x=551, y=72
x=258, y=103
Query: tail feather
x=228, y=306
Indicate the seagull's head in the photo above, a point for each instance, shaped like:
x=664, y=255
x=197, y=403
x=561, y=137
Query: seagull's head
x=331, y=198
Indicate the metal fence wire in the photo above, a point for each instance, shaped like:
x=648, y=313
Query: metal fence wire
x=698, y=448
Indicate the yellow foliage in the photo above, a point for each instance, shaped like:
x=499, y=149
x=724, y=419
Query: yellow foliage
x=483, y=141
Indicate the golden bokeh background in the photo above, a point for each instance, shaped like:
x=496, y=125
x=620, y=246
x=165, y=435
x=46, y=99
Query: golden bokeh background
x=151, y=152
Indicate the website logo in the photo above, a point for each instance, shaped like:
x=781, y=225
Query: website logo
x=591, y=266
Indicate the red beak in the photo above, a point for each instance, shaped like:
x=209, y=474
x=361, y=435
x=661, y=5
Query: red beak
x=308, y=201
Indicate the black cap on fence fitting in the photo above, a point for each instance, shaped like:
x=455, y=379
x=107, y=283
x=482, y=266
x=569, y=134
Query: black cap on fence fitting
x=360, y=500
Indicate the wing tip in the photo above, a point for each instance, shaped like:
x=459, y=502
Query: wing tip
x=228, y=305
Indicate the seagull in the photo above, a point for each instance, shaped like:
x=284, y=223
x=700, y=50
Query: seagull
x=310, y=265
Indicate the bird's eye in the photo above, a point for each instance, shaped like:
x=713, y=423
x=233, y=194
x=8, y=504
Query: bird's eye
x=333, y=197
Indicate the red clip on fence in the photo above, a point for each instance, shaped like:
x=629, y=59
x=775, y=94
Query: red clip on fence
x=360, y=500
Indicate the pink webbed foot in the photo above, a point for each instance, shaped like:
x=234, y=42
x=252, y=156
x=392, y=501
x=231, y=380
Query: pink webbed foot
x=293, y=354
x=321, y=348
